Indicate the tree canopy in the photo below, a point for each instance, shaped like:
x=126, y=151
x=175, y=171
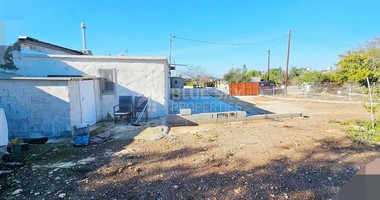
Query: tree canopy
x=236, y=75
x=357, y=64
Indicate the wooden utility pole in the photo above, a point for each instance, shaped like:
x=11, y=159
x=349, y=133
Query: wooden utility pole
x=170, y=48
x=287, y=63
x=268, y=63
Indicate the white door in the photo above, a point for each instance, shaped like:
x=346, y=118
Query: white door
x=88, y=102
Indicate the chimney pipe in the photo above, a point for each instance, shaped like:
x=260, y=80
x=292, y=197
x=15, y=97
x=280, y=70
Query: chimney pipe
x=83, y=26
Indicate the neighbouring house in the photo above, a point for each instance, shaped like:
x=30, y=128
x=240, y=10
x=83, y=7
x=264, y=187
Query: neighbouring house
x=176, y=82
x=46, y=89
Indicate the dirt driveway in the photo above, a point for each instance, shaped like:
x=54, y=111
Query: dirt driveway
x=300, y=158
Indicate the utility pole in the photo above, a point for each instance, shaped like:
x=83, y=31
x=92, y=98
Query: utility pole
x=287, y=63
x=268, y=63
x=170, y=48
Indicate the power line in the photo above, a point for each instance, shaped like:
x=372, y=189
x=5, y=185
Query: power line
x=232, y=44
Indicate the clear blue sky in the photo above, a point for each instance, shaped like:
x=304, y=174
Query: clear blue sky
x=321, y=29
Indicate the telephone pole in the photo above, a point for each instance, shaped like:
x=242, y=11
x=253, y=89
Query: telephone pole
x=268, y=63
x=287, y=63
x=170, y=48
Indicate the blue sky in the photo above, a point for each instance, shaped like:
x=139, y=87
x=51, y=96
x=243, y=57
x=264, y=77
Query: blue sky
x=321, y=30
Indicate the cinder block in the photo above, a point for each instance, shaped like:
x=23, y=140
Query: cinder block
x=60, y=127
x=21, y=134
x=23, y=127
x=16, y=91
x=34, y=120
x=18, y=121
x=44, y=128
x=221, y=117
x=256, y=117
x=35, y=106
x=205, y=117
x=49, y=134
x=4, y=92
x=241, y=114
x=64, y=133
x=39, y=99
x=12, y=127
x=23, y=113
x=36, y=134
x=9, y=99
x=190, y=117
x=185, y=111
x=180, y=121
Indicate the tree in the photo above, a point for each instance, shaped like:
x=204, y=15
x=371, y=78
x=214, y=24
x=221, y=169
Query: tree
x=316, y=77
x=253, y=73
x=276, y=77
x=357, y=64
x=237, y=75
x=295, y=72
x=196, y=73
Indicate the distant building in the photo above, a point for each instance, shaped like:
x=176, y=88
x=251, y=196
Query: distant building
x=176, y=82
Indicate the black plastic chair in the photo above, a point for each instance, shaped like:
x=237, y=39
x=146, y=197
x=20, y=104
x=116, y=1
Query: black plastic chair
x=124, y=108
x=140, y=103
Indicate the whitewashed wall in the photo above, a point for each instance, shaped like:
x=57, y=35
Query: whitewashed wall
x=136, y=77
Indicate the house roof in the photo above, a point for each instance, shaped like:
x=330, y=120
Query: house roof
x=32, y=41
x=87, y=57
x=29, y=78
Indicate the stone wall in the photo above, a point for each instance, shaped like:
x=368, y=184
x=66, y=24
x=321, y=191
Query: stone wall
x=36, y=108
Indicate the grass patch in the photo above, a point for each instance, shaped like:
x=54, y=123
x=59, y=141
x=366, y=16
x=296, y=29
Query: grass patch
x=197, y=136
x=228, y=154
x=360, y=131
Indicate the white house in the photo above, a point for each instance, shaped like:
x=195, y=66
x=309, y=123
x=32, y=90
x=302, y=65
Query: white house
x=46, y=89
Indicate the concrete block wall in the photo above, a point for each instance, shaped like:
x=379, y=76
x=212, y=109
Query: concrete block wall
x=36, y=108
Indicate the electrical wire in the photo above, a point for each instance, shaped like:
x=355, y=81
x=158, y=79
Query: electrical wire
x=232, y=44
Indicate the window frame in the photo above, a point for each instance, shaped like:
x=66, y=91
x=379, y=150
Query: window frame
x=104, y=80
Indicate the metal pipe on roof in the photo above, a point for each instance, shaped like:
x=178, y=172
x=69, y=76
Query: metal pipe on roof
x=83, y=26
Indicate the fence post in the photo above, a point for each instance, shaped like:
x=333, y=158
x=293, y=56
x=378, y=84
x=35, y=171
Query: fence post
x=370, y=99
x=273, y=91
x=349, y=94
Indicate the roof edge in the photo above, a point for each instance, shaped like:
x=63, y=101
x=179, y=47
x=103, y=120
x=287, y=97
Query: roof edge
x=95, y=57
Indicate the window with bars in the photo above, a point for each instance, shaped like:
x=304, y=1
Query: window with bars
x=108, y=81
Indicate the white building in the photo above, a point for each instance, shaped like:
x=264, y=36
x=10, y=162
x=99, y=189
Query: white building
x=46, y=89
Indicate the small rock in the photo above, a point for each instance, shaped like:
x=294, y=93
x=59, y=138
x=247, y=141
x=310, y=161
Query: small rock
x=18, y=191
x=37, y=193
x=237, y=191
x=129, y=164
x=62, y=195
x=176, y=187
x=57, y=178
x=286, y=196
x=138, y=170
x=272, y=195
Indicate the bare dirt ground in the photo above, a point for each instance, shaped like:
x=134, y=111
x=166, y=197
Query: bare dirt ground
x=299, y=158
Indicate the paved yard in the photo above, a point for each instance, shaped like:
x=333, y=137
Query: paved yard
x=300, y=158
